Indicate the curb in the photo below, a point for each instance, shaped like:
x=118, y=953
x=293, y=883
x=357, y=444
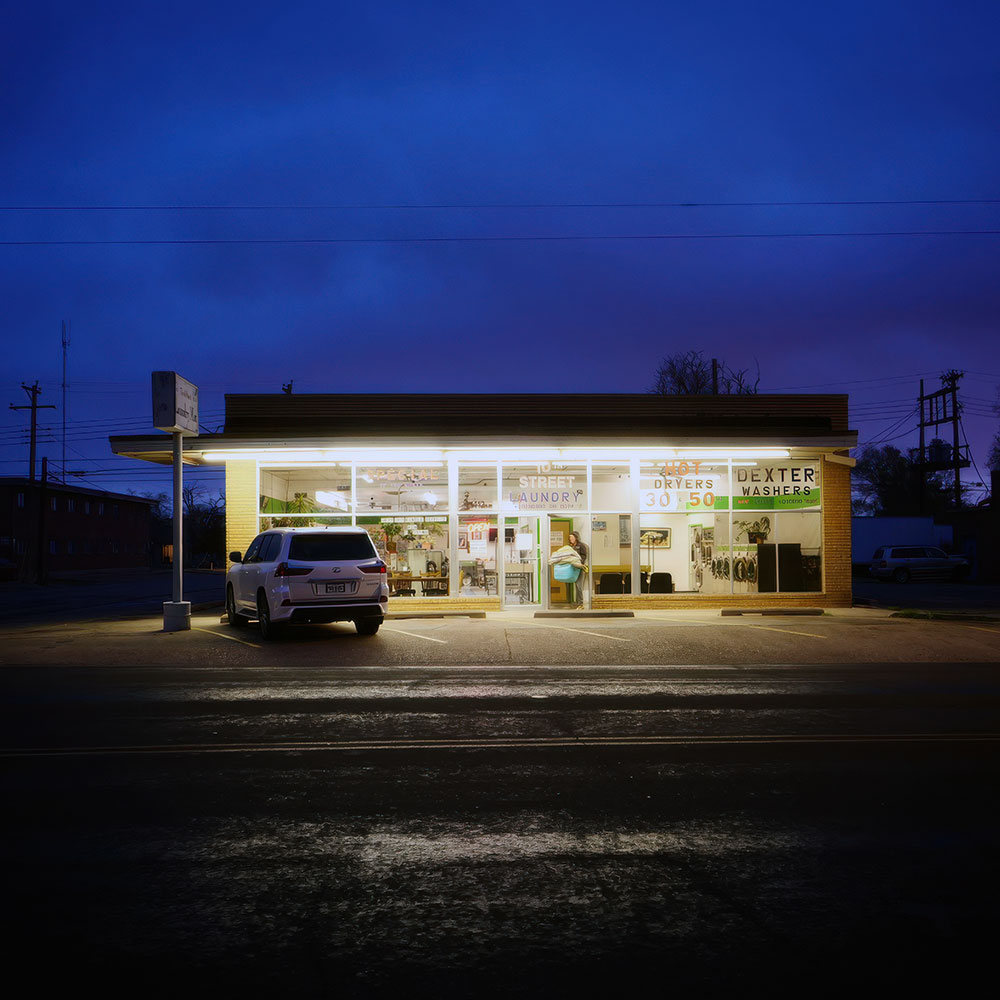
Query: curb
x=782, y=612
x=945, y=616
x=584, y=614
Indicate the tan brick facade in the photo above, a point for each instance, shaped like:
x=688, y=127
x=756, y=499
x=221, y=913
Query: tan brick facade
x=241, y=505
x=837, y=535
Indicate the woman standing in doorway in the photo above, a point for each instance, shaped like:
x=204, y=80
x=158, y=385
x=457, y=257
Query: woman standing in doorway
x=575, y=590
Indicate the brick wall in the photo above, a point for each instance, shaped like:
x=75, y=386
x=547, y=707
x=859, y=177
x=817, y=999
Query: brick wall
x=241, y=505
x=836, y=535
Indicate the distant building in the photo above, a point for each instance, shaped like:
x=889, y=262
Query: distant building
x=57, y=528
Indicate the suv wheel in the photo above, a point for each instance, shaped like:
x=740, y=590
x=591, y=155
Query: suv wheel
x=367, y=626
x=235, y=618
x=901, y=575
x=268, y=630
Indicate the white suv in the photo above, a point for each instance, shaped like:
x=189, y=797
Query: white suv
x=303, y=575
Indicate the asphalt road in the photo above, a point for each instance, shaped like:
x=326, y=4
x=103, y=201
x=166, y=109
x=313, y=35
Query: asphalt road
x=303, y=829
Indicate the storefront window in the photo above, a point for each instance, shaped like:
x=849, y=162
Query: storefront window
x=415, y=550
x=680, y=485
x=522, y=560
x=611, y=552
x=799, y=566
x=306, y=521
x=773, y=485
x=684, y=553
x=612, y=486
x=477, y=487
x=545, y=486
x=395, y=488
x=305, y=493
x=704, y=526
x=477, y=555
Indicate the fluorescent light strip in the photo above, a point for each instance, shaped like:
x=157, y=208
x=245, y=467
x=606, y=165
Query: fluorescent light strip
x=433, y=459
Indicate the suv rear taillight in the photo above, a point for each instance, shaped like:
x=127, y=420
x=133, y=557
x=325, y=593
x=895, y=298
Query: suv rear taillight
x=283, y=569
x=377, y=568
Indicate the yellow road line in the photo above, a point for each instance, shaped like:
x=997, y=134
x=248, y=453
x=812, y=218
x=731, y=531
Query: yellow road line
x=222, y=635
x=980, y=628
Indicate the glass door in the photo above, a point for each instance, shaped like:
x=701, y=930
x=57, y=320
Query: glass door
x=567, y=588
x=522, y=553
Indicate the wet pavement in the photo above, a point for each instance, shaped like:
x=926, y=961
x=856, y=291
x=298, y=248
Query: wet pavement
x=539, y=831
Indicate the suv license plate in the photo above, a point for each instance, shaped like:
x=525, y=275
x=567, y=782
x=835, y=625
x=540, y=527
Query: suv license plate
x=340, y=588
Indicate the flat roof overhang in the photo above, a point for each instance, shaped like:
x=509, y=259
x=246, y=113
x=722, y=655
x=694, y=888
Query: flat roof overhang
x=214, y=449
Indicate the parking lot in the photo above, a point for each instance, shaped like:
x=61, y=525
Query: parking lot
x=514, y=638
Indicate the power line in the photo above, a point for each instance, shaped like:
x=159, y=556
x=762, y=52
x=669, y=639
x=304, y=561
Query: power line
x=969, y=446
x=461, y=206
x=885, y=438
x=534, y=238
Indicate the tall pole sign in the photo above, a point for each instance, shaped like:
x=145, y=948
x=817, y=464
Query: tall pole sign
x=175, y=410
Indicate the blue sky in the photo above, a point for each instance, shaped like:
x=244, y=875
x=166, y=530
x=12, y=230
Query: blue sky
x=416, y=135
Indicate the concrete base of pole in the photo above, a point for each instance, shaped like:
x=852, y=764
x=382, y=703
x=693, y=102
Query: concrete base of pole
x=176, y=616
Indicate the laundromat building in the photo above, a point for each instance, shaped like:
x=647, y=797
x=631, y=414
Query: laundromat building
x=681, y=501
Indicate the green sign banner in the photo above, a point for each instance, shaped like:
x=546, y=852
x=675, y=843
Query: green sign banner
x=800, y=499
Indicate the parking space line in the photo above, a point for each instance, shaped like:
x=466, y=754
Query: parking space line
x=720, y=624
x=786, y=631
x=564, y=628
x=222, y=635
x=415, y=635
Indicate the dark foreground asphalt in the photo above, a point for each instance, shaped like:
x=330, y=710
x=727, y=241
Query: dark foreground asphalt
x=691, y=831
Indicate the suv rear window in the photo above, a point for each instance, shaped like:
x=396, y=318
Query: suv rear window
x=327, y=548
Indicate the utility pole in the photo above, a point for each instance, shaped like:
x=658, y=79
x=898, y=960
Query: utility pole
x=715, y=376
x=33, y=391
x=938, y=408
x=287, y=386
x=41, y=570
x=65, y=345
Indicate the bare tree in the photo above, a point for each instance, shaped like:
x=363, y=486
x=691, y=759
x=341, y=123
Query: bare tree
x=691, y=374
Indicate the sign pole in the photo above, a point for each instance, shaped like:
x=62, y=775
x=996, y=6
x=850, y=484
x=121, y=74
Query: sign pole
x=175, y=409
x=177, y=613
x=178, y=520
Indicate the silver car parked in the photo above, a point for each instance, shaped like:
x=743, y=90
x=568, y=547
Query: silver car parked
x=294, y=576
x=902, y=563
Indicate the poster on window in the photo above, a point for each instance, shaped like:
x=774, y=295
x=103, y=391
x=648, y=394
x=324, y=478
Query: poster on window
x=776, y=486
x=680, y=486
x=479, y=534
